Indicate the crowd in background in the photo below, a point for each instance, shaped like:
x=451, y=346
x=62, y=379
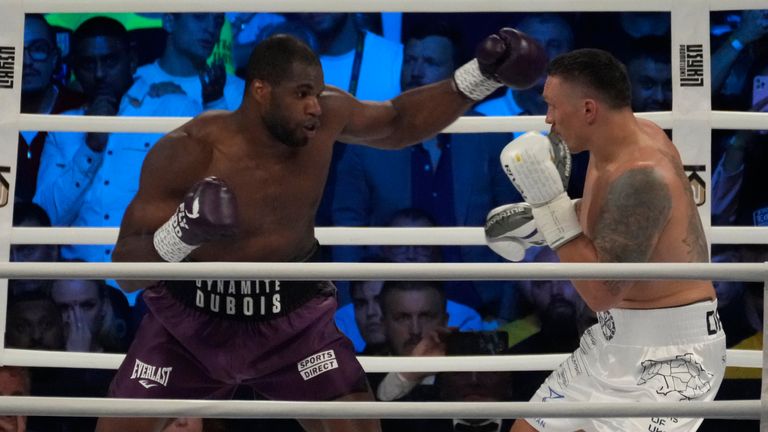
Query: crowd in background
x=183, y=64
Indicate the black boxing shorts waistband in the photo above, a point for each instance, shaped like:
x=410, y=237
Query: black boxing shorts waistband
x=248, y=300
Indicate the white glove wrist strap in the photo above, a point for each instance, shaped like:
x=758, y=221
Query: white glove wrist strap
x=470, y=81
x=168, y=244
x=557, y=221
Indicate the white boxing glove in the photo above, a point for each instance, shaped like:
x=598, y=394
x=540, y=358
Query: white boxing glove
x=510, y=230
x=539, y=167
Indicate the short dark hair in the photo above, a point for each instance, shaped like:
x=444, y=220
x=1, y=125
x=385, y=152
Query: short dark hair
x=596, y=70
x=101, y=26
x=272, y=59
x=393, y=286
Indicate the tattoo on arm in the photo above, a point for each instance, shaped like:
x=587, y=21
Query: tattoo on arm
x=636, y=210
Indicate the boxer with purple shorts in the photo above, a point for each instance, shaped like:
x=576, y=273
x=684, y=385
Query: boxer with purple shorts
x=244, y=186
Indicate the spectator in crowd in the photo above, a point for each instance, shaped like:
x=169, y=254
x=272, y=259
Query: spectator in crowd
x=555, y=33
x=33, y=321
x=738, y=195
x=183, y=66
x=460, y=386
x=40, y=94
x=87, y=179
x=414, y=318
x=358, y=61
x=92, y=322
x=737, y=58
x=247, y=28
x=360, y=320
x=262, y=26
x=461, y=315
x=14, y=381
x=28, y=214
x=294, y=28
x=624, y=29
x=475, y=386
x=728, y=292
x=557, y=315
x=649, y=67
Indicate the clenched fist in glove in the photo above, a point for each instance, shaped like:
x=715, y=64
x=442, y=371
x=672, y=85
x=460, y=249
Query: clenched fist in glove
x=539, y=167
x=208, y=213
x=510, y=230
x=509, y=57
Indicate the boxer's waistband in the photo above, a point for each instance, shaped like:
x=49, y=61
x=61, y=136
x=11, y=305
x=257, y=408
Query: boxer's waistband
x=248, y=300
x=693, y=323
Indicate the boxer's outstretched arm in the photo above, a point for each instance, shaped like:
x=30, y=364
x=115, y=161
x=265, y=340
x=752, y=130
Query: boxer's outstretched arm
x=635, y=211
x=508, y=57
x=411, y=117
x=169, y=169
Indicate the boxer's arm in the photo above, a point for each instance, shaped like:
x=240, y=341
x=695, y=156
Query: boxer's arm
x=508, y=57
x=635, y=211
x=409, y=118
x=162, y=186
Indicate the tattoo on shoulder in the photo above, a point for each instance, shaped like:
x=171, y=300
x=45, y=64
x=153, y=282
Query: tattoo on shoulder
x=635, y=211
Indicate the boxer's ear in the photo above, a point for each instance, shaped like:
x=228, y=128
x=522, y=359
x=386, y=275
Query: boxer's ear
x=260, y=90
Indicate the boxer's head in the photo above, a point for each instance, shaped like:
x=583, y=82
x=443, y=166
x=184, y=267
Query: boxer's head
x=583, y=86
x=285, y=79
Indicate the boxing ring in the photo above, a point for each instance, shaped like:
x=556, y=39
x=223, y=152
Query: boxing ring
x=691, y=120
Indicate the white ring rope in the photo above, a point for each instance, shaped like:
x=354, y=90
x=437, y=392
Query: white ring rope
x=522, y=362
x=384, y=271
x=92, y=407
x=348, y=236
x=71, y=123
x=351, y=5
x=42, y=6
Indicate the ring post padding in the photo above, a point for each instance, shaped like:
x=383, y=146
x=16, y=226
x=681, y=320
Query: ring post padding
x=11, y=61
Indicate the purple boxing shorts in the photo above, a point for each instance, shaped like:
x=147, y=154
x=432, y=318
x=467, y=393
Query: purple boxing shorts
x=204, y=339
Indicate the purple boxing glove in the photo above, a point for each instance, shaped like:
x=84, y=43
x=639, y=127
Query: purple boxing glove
x=509, y=58
x=208, y=213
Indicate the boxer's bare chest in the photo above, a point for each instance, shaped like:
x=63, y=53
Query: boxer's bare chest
x=276, y=191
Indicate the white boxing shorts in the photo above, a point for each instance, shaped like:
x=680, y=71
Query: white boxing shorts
x=640, y=355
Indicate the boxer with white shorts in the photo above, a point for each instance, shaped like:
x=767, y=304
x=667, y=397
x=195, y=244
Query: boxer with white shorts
x=667, y=355
x=657, y=339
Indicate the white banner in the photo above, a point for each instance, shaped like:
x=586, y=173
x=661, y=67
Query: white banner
x=11, y=60
x=691, y=98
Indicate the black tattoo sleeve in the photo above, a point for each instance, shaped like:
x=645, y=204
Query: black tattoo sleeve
x=633, y=215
